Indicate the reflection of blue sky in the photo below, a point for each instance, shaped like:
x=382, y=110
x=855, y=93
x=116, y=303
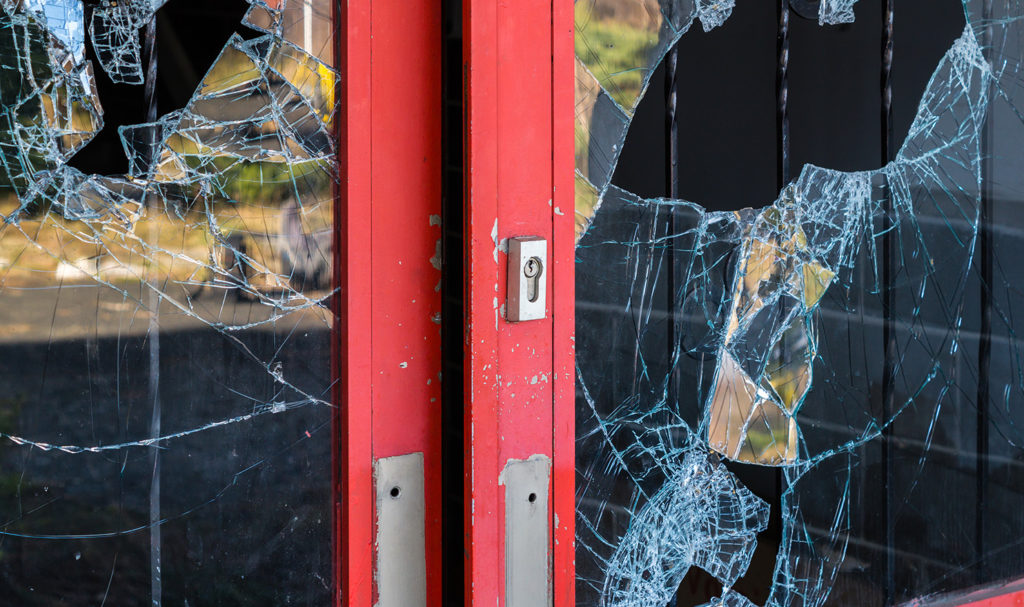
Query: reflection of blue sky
x=66, y=20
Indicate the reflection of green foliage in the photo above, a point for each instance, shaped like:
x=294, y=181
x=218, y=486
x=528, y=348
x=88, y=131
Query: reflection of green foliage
x=614, y=52
x=21, y=76
x=16, y=88
x=263, y=182
x=762, y=439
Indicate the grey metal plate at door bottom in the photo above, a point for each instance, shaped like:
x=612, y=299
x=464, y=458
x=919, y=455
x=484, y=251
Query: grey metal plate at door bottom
x=401, y=565
x=527, y=558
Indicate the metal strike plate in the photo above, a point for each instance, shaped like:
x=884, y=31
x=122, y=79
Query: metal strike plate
x=527, y=278
x=527, y=563
x=401, y=570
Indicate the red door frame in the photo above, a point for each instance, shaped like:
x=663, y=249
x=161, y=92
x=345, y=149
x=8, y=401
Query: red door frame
x=519, y=377
x=1009, y=593
x=519, y=181
x=389, y=350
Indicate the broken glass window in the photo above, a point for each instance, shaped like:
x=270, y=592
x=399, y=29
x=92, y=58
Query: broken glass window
x=166, y=402
x=830, y=379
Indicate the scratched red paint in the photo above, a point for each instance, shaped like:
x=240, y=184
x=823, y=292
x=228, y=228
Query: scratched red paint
x=519, y=376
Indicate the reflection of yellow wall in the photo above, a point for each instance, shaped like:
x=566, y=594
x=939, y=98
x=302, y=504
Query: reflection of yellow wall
x=752, y=415
x=586, y=203
x=745, y=424
x=585, y=100
x=327, y=80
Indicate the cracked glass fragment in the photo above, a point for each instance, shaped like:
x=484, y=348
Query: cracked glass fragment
x=701, y=518
x=114, y=30
x=713, y=13
x=64, y=19
x=834, y=12
x=848, y=350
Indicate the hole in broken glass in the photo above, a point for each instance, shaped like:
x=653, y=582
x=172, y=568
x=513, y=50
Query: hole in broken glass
x=751, y=412
x=726, y=101
x=190, y=36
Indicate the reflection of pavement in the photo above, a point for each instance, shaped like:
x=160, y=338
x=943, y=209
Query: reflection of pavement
x=87, y=310
x=240, y=498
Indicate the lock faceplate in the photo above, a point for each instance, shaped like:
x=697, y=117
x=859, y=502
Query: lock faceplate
x=527, y=278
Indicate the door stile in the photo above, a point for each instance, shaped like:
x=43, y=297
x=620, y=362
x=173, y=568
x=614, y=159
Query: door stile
x=480, y=128
x=390, y=303
x=354, y=563
x=563, y=304
x=518, y=376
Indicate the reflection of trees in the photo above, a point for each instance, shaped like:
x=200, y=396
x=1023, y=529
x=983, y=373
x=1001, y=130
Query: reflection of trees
x=22, y=40
x=614, y=43
x=619, y=37
x=44, y=114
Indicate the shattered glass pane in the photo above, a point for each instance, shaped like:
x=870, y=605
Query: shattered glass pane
x=165, y=417
x=842, y=360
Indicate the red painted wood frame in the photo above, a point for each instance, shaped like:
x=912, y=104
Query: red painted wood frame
x=519, y=377
x=389, y=351
x=1015, y=599
x=1007, y=593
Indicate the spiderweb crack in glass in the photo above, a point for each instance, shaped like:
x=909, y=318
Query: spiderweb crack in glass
x=701, y=517
x=752, y=334
x=264, y=110
x=198, y=281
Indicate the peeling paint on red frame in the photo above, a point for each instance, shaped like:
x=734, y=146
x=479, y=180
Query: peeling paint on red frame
x=519, y=182
x=389, y=353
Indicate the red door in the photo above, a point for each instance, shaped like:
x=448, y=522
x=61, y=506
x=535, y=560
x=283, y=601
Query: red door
x=389, y=353
x=185, y=434
x=518, y=389
x=519, y=376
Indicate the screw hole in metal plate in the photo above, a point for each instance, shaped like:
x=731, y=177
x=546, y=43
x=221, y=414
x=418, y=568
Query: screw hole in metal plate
x=395, y=492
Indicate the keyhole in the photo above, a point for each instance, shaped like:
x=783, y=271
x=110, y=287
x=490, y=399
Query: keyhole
x=533, y=270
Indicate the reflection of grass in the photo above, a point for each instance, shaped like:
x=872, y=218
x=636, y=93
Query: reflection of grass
x=789, y=383
x=263, y=182
x=175, y=242
x=767, y=439
x=614, y=52
x=759, y=440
